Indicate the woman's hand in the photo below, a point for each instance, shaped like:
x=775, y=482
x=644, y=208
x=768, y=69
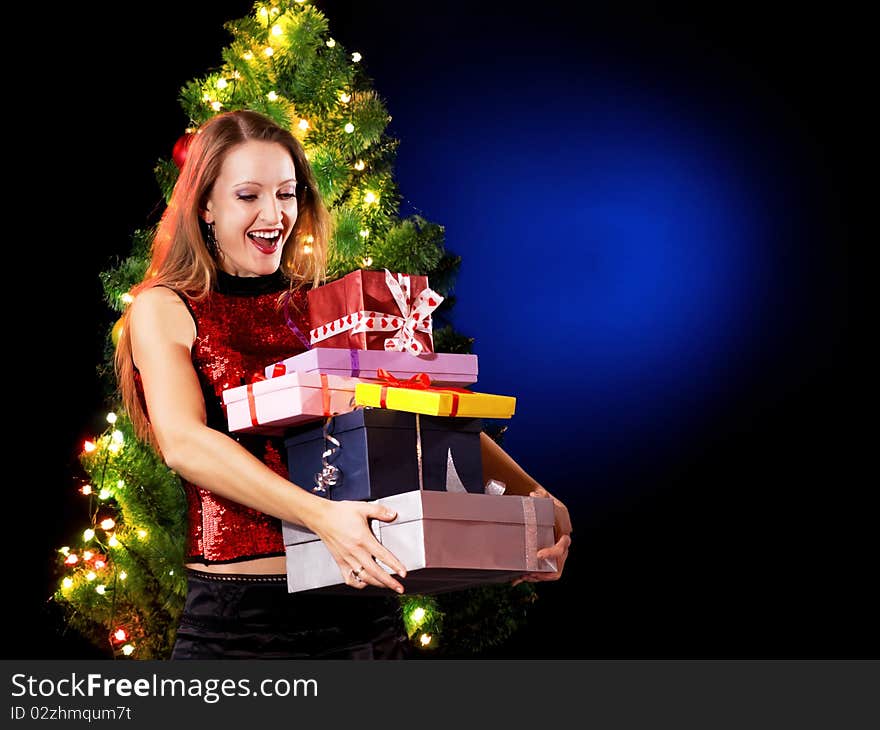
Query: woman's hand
x=344, y=529
x=562, y=533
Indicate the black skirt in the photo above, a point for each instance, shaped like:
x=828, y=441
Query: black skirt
x=254, y=617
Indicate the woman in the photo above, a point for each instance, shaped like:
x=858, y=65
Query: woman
x=229, y=267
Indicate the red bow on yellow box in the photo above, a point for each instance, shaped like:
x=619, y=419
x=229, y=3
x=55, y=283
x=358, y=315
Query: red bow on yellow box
x=419, y=381
x=417, y=395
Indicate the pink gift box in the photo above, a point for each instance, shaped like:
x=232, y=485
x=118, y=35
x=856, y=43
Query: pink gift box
x=446, y=541
x=442, y=368
x=271, y=406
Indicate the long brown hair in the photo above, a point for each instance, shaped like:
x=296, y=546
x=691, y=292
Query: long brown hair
x=180, y=258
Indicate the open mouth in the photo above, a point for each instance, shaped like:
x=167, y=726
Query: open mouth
x=265, y=241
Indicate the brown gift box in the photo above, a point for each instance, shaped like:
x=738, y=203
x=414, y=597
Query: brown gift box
x=361, y=291
x=446, y=540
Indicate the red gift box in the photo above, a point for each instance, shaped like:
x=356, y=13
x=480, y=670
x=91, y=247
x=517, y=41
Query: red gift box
x=374, y=310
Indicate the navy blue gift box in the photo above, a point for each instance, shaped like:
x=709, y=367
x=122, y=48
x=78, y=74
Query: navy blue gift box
x=377, y=456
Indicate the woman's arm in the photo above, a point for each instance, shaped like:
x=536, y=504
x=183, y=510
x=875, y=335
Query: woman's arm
x=162, y=333
x=498, y=464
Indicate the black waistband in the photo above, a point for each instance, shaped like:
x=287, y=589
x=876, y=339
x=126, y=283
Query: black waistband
x=235, y=577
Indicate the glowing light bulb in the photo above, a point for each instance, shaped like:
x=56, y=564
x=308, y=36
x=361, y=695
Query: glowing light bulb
x=344, y=97
x=67, y=583
x=349, y=128
x=364, y=233
x=303, y=124
x=123, y=575
x=104, y=493
x=91, y=575
x=142, y=533
x=222, y=83
x=89, y=447
x=86, y=489
x=114, y=448
x=356, y=57
x=120, y=483
x=111, y=418
x=216, y=106
x=88, y=555
x=370, y=197
x=72, y=559
x=88, y=534
x=100, y=589
x=64, y=550
x=248, y=56
x=118, y=437
x=272, y=96
x=425, y=639
x=120, y=635
x=330, y=43
x=276, y=29
x=126, y=298
x=206, y=97
x=368, y=261
x=268, y=51
x=418, y=615
x=113, y=542
x=359, y=165
x=100, y=564
x=128, y=650
x=108, y=524
x=236, y=75
x=307, y=249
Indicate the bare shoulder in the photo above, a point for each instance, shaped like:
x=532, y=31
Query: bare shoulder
x=159, y=315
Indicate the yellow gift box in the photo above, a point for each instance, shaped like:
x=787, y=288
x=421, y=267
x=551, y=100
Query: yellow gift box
x=434, y=401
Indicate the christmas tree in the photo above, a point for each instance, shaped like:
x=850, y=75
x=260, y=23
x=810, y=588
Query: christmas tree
x=122, y=584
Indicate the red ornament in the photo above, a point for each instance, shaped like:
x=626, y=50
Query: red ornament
x=178, y=154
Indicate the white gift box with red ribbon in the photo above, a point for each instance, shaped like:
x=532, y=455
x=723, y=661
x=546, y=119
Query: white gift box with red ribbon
x=271, y=406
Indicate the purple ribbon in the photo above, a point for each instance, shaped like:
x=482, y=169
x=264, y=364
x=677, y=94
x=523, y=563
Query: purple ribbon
x=292, y=325
x=355, y=363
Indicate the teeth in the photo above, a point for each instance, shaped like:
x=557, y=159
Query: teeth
x=265, y=234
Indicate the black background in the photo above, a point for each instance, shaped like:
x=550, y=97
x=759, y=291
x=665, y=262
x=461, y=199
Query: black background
x=775, y=560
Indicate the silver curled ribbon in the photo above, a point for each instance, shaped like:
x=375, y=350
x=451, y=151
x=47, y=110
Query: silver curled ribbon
x=493, y=486
x=330, y=474
x=419, y=452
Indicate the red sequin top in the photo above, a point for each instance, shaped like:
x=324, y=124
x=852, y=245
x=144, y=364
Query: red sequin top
x=239, y=330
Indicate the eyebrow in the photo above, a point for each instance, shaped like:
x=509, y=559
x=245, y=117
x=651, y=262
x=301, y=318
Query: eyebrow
x=254, y=182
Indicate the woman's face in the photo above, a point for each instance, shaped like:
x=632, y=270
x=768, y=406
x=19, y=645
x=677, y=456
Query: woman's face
x=253, y=207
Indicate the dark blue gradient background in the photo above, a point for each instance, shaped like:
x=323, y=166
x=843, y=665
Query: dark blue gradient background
x=654, y=212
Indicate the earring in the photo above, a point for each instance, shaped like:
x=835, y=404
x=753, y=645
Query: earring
x=211, y=242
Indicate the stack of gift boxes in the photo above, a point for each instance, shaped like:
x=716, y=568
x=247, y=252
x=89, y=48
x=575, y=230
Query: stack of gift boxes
x=372, y=413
